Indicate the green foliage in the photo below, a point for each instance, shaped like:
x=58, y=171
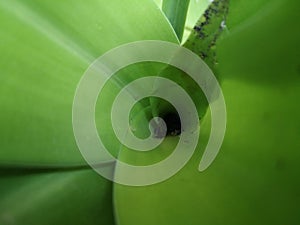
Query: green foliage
x=176, y=11
x=254, y=179
x=47, y=45
x=45, y=48
x=38, y=197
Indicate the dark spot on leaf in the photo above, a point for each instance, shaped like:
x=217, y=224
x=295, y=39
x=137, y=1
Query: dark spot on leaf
x=203, y=39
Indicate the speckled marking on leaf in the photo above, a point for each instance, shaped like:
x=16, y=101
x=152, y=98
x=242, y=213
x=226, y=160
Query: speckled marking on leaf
x=209, y=27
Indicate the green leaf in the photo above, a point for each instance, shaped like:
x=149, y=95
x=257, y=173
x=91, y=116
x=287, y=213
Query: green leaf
x=202, y=41
x=206, y=32
x=195, y=11
x=45, y=48
x=254, y=179
x=73, y=197
x=176, y=11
